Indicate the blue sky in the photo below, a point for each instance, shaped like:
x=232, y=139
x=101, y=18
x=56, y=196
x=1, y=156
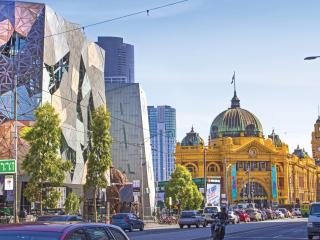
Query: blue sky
x=185, y=57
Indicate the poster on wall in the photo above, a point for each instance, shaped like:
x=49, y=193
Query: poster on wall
x=234, y=182
x=8, y=182
x=213, y=193
x=274, y=182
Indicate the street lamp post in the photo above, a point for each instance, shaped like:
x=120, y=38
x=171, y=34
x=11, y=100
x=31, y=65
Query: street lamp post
x=311, y=58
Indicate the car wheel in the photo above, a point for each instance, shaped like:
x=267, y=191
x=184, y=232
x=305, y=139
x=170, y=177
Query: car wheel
x=189, y=226
x=131, y=228
x=310, y=237
x=181, y=226
x=141, y=228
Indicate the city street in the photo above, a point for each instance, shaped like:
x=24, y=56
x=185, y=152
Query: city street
x=294, y=229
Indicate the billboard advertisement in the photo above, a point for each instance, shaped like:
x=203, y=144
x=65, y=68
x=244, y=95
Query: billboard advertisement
x=213, y=193
x=274, y=181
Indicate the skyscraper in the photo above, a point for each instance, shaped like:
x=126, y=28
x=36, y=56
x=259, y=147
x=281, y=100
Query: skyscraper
x=162, y=125
x=119, y=67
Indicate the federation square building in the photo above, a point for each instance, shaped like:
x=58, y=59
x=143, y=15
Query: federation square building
x=51, y=61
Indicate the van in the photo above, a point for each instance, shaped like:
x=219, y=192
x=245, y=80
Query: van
x=314, y=220
x=209, y=211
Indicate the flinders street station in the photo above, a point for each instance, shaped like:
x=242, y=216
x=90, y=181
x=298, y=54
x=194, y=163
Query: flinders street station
x=248, y=165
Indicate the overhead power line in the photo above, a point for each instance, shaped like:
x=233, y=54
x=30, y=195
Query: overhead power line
x=146, y=11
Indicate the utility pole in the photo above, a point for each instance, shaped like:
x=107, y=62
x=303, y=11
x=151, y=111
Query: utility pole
x=142, y=183
x=205, y=173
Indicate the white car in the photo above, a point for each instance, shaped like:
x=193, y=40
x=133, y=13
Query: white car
x=279, y=214
x=209, y=211
x=296, y=212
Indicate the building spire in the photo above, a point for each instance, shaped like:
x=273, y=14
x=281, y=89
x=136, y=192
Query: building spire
x=235, y=102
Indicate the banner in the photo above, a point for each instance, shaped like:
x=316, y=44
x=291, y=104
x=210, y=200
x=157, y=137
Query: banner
x=274, y=182
x=213, y=193
x=234, y=182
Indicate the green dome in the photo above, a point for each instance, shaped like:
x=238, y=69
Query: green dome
x=192, y=139
x=234, y=121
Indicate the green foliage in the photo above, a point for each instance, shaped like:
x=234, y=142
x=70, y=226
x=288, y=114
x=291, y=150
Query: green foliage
x=183, y=191
x=43, y=162
x=99, y=159
x=72, y=204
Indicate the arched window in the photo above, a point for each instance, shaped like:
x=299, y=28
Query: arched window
x=191, y=169
x=213, y=168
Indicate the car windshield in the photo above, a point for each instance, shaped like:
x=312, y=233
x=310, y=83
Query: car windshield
x=53, y=218
x=315, y=209
x=119, y=216
x=29, y=235
x=210, y=210
x=187, y=214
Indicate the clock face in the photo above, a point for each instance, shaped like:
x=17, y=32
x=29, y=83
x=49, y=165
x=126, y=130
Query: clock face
x=252, y=152
x=318, y=149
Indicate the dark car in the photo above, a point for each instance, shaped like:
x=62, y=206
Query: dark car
x=270, y=214
x=127, y=221
x=81, y=231
x=263, y=215
x=60, y=218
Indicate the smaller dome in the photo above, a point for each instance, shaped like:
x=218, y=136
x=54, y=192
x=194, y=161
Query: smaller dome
x=300, y=153
x=192, y=139
x=275, y=139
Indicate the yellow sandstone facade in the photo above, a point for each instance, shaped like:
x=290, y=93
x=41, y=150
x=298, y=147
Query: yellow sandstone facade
x=257, y=169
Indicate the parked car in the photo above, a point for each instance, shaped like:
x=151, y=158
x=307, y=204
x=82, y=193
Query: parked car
x=285, y=212
x=60, y=218
x=270, y=214
x=296, y=212
x=209, y=211
x=193, y=217
x=233, y=217
x=263, y=215
x=127, y=221
x=254, y=214
x=279, y=214
x=42, y=231
x=243, y=216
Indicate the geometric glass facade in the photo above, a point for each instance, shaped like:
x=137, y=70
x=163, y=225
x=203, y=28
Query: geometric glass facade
x=51, y=62
x=162, y=124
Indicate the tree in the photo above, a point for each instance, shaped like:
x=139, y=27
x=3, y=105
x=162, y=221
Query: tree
x=72, y=204
x=183, y=191
x=43, y=162
x=99, y=159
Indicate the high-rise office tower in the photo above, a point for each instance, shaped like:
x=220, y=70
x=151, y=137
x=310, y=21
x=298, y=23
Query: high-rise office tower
x=119, y=67
x=162, y=125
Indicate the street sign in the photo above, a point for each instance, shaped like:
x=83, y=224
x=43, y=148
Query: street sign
x=8, y=182
x=8, y=166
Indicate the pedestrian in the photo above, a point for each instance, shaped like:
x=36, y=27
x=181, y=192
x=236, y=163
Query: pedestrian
x=23, y=215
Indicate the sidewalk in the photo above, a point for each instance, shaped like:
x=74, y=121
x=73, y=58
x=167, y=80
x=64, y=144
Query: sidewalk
x=153, y=225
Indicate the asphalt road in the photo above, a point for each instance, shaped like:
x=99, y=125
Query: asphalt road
x=293, y=229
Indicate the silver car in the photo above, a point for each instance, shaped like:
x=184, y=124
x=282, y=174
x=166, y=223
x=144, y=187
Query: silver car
x=193, y=217
x=233, y=217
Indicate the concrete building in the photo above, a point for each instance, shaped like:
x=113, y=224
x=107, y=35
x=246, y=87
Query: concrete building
x=51, y=63
x=131, y=148
x=162, y=124
x=119, y=66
